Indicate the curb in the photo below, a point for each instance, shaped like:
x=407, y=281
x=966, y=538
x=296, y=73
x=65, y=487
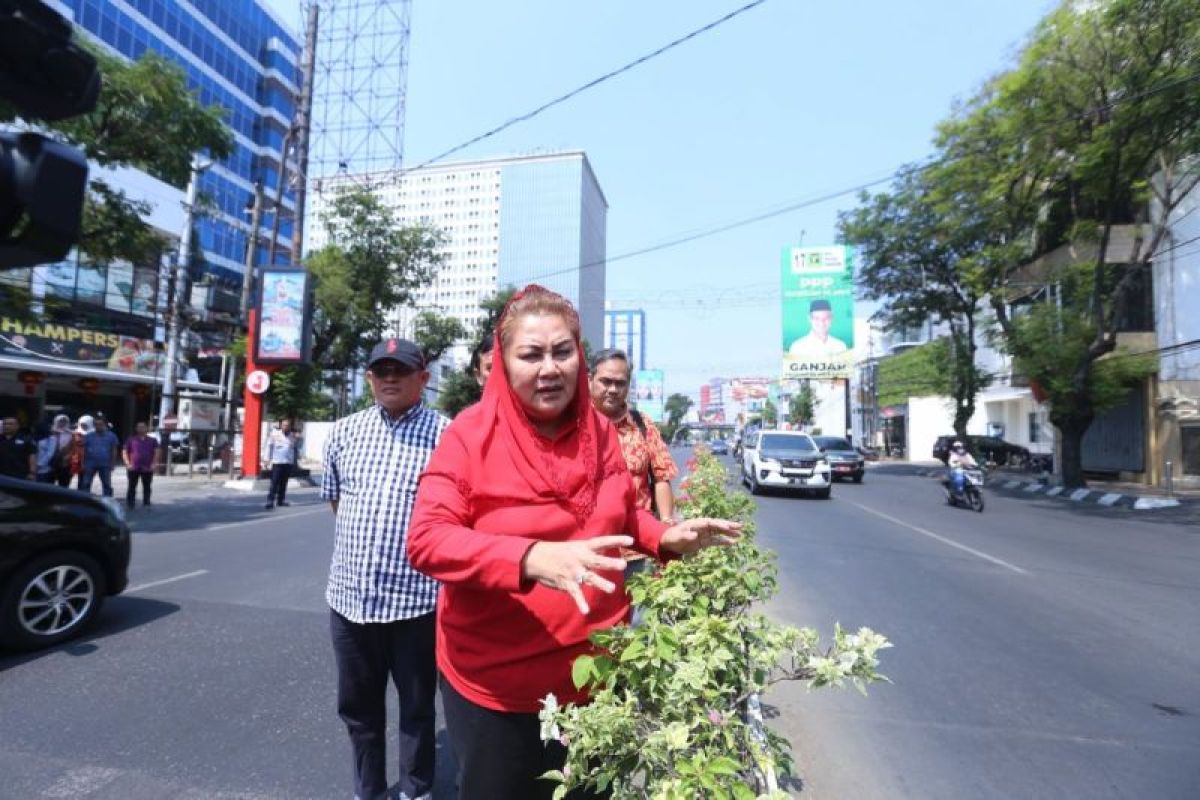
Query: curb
x=1086, y=496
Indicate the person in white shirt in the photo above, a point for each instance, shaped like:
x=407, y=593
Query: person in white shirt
x=279, y=459
x=817, y=344
x=959, y=460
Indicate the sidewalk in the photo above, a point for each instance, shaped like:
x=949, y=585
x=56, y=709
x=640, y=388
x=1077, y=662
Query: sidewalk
x=1110, y=494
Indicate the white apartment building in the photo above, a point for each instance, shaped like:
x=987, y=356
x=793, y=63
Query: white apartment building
x=505, y=222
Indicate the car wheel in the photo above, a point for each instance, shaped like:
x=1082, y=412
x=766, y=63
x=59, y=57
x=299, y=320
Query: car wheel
x=755, y=487
x=823, y=494
x=51, y=599
x=858, y=478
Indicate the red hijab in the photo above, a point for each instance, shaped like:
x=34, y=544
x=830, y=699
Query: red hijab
x=570, y=475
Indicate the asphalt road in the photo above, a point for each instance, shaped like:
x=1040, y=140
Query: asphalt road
x=1041, y=651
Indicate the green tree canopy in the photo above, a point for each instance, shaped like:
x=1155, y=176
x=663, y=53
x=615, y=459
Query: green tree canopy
x=145, y=118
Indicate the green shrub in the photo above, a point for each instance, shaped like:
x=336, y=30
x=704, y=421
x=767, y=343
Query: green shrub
x=670, y=716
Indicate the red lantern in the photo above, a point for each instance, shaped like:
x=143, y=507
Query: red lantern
x=140, y=391
x=31, y=380
x=89, y=385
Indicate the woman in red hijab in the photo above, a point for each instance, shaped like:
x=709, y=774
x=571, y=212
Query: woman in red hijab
x=520, y=515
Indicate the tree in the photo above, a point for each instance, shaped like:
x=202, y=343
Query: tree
x=461, y=389
x=1092, y=135
x=372, y=264
x=770, y=414
x=803, y=405
x=145, y=118
x=915, y=247
x=676, y=408
x=435, y=333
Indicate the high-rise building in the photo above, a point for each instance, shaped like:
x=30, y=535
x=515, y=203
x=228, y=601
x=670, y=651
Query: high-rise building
x=506, y=221
x=625, y=329
x=236, y=54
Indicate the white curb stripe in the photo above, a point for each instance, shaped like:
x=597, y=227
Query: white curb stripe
x=1147, y=503
x=1079, y=494
x=1033, y=487
x=1054, y=491
x=1109, y=499
x=1012, y=484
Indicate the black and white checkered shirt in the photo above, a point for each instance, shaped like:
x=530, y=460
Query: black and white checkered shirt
x=371, y=467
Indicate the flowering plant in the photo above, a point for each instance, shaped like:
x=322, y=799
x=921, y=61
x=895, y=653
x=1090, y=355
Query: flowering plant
x=674, y=703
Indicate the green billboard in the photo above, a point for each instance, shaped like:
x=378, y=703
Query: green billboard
x=818, y=312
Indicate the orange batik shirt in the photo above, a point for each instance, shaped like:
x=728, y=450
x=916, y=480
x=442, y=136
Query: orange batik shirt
x=643, y=453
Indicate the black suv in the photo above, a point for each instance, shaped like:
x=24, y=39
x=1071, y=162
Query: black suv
x=61, y=553
x=988, y=449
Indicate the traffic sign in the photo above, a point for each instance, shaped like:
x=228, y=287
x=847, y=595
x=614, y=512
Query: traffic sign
x=258, y=381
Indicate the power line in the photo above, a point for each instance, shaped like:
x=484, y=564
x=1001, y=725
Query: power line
x=593, y=83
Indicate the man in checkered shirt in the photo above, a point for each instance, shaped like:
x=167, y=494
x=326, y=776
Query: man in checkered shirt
x=381, y=609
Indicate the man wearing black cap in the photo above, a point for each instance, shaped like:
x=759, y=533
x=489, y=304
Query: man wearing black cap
x=381, y=609
x=817, y=344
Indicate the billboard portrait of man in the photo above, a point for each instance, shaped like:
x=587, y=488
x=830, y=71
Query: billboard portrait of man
x=818, y=344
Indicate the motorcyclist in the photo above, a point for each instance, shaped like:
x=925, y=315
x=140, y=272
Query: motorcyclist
x=958, y=461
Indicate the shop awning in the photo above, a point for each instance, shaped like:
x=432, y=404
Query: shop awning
x=81, y=371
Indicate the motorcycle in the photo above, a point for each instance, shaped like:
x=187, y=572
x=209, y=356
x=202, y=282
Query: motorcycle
x=972, y=493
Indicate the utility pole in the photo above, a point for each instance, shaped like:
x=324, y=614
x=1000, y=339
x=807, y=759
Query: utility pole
x=303, y=128
x=175, y=327
x=251, y=250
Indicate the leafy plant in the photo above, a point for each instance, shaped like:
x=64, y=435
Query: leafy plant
x=672, y=710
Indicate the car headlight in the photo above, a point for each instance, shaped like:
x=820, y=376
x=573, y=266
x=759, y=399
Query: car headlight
x=771, y=463
x=823, y=462
x=114, y=508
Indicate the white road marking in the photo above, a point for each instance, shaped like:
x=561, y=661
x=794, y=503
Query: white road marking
x=1109, y=499
x=322, y=507
x=152, y=584
x=81, y=781
x=977, y=553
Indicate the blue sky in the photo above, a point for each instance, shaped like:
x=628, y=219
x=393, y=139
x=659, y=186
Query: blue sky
x=792, y=100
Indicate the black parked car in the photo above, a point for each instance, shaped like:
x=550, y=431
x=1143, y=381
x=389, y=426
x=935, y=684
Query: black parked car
x=988, y=449
x=61, y=553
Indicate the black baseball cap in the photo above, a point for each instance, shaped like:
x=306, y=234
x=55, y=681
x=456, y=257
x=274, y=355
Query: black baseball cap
x=399, y=350
x=819, y=305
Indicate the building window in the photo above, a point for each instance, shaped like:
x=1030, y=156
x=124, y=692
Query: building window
x=1035, y=428
x=1190, y=439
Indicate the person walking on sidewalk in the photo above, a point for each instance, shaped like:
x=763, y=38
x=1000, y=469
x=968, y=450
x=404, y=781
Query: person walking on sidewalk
x=140, y=454
x=54, y=453
x=18, y=452
x=381, y=609
x=280, y=458
x=520, y=515
x=100, y=448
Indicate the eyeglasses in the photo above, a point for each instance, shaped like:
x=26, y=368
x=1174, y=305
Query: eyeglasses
x=391, y=371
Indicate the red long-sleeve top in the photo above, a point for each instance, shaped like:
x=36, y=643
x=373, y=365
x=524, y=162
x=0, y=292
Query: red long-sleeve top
x=504, y=643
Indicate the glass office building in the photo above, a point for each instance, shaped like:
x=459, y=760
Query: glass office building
x=236, y=54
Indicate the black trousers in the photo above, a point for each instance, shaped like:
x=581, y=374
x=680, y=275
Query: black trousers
x=134, y=475
x=279, y=479
x=366, y=654
x=501, y=754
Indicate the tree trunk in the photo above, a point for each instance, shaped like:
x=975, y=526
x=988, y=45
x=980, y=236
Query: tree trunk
x=1072, y=430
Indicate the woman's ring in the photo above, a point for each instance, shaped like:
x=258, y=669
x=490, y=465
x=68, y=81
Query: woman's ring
x=581, y=577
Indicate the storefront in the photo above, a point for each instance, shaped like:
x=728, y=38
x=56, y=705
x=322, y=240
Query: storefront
x=50, y=368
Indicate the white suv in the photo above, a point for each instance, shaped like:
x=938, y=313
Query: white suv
x=785, y=460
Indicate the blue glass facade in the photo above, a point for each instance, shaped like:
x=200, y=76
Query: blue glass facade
x=553, y=219
x=235, y=55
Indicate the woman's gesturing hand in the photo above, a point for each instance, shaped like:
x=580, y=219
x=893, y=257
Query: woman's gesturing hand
x=696, y=534
x=567, y=566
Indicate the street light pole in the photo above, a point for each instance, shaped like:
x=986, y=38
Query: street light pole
x=175, y=328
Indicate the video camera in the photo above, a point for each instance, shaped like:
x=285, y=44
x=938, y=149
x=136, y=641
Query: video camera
x=45, y=76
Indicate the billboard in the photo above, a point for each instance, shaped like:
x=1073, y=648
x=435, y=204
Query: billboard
x=283, y=317
x=818, y=312
x=648, y=393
